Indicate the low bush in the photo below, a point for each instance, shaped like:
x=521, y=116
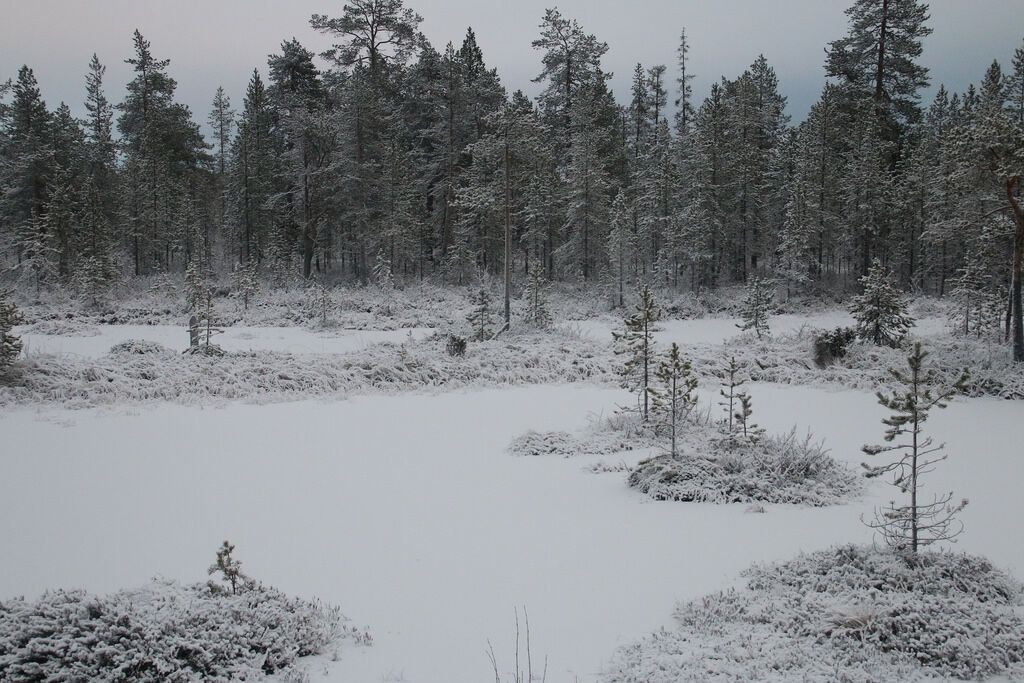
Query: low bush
x=772, y=469
x=163, y=631
x=850, y=613
x=829, y=346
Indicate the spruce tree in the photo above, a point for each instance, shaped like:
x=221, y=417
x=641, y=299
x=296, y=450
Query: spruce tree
x=537, y=313
x=10, y=345
x=880, y=311
x=246, y=283
x=480, y=317
x=621, y=245
x=914, y=524
x=636, y=344
x=675, y=398
x=382, y=271
x=757, y=307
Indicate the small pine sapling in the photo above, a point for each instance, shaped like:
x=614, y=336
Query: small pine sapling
x=10, y=345
x=914, y=524
x=537, y=313
x=676, y=398
x=480, y=317
x=230, y=571
x=636, y=344
x=880, y=311
x=749, y=430
x=757, y=307
x=730, y=383
x=206, y=321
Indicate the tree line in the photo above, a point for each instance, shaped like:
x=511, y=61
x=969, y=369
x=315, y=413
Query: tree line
x=386, y=154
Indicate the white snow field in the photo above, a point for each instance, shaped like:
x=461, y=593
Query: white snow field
x=93, y=341
x=718, y=330
x=408, y=513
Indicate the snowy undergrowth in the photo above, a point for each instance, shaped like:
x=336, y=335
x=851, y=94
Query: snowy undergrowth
x=164, y=631
x=772, y=469
x=710, y=467
x=852, y=614
x=604, y=436
x=789, y=359
x=139, y=372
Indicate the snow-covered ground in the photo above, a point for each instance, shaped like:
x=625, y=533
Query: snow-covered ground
x=718, y=330
x=96, y=340
x=408, y=513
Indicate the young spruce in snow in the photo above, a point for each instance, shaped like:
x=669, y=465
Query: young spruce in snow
x=537, y=313
x=880, y=311
x=480, y=316
x=10, y=345
x=914, y=524
x=757, y=307
x=636, y=344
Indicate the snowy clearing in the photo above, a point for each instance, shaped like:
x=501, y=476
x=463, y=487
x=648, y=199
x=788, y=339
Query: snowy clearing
x=408, y=513
x=93, y=341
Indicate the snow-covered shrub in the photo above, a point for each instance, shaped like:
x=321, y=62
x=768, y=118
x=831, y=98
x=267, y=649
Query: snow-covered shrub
x=456, y=345
x=850, y=613
x=831, y=345
x=789, y=359
x=772, y=469
x=536, y=358
x=543, y=443
x=140, y=346
x=162, y=631
x=10, y=345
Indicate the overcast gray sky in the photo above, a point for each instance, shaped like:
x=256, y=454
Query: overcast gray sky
x=218, y=42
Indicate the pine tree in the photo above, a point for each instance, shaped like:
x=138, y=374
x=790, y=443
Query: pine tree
x=757, y=307
x=675, y=398
x=480, y=317
x=10, y=345
x=230, y=571
x=915, y=524
x=730, y=383
x=206, y=322
x=636, y=344
x=537, y=313
x=751, y=432
x=878, y=57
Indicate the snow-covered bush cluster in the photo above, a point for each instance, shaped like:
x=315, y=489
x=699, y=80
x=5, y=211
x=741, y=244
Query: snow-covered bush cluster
x=589, y=442
x=790, y=359
x=163, y=631
x=851, y=613
x=148, y=374
x=772, y=469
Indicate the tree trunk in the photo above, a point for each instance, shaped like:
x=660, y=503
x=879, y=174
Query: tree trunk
x=1018, y=257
